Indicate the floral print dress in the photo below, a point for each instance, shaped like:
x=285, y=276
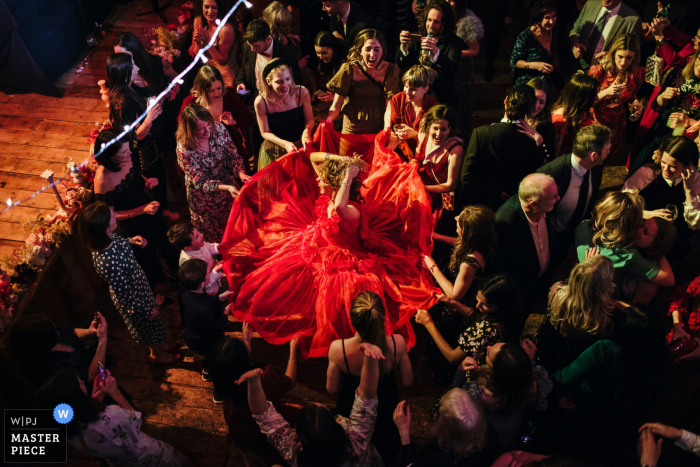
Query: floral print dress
x=117, y=438
x=204, y=172
x=611, y=110
x=131, y=294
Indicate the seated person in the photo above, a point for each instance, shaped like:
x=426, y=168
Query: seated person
x=686, y=316
x=484, y=325
x=618, y=230
x=578, y=314
x=407, y=108
x=504, y=385
x=230, y=358
x=320, y=438
x=203, y=322
x=461, y=436
x=191, y=242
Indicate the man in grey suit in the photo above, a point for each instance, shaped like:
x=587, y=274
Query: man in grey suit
x=598, y=25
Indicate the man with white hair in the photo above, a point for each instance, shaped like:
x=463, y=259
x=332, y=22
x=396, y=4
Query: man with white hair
x=523, y=248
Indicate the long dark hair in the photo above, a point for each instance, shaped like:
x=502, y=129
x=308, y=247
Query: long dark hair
x=324, y=442
x=478, y=234
x=511, y=377
x=645, y=359
x=154, y=77
x=31, y=340
x=63, y=387
x=326, y=39
x=106, y=159
x=500, y=290
x=229, y=360
x=92, y=225
x=577, y=97
x=368, y=317
x=125, y=105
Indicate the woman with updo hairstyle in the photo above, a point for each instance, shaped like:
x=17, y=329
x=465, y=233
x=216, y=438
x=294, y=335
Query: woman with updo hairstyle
x=132, y=297
x=618, y=230
x=223, y=104
x=363, y=85
x=572, y=111
x=118, y=183
x=368, y=318
x=460, y=435
x=284, y=113
x=578, y=314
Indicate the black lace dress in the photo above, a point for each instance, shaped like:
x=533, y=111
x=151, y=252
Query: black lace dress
x=131, y=194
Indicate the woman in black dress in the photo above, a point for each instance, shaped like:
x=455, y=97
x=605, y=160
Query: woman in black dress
x=125, y=106
x=345, y=357
x=115, y=263
x=118, y=183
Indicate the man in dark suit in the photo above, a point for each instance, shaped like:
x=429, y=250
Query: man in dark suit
x=347, y=20
x=578, y=176
x=523, y=240
x=261, y=50
x=443, y=49
x=499, y=155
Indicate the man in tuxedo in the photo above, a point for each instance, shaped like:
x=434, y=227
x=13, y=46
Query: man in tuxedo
x=499, y=155
x=261, y=49
x=578, y=176
x=598, y=25
x=523, y=240
x=347, y=20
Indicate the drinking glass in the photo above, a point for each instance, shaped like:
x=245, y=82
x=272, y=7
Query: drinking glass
x=674, y=211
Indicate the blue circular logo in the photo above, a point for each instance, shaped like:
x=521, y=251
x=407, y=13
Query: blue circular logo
x=63, y=413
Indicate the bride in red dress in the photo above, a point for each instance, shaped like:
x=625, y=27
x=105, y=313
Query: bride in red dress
x=306, y=235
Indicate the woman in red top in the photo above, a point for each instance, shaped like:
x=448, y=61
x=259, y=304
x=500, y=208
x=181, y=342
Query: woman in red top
x=223, y=104
x=407, y=108
x=620, y=78
x=572, y=111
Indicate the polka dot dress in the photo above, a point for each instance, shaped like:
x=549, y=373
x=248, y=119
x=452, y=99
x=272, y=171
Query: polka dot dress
x=131, y=294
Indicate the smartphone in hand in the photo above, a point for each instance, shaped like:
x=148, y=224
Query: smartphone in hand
x=416, y=38
x=101, y=370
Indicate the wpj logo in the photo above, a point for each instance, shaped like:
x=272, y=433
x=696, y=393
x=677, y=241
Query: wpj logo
x=37, y=435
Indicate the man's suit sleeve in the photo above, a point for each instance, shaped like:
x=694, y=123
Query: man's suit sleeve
x=241, y=77
x=407, y=61
x=578, y=24
x=334, y=25
x=468, y=165
x=636, y=28
x=449, y=58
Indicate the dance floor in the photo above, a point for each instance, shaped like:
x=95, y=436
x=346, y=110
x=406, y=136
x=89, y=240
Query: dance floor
x=39, y=133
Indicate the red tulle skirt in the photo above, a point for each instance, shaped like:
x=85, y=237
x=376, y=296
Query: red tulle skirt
x=294, y=270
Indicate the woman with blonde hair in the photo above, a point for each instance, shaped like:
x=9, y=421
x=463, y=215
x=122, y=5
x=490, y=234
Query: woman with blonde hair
x=460, y=434
x=210, y=161
x=364, y=85
x=279, y=19
x=618, y=230
x=284, y=113
x=578, y=313
x=368, y=318
x=223, y=104
x=620, y=77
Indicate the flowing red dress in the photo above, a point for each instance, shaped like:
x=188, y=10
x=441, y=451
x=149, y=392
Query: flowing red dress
x=295, y=270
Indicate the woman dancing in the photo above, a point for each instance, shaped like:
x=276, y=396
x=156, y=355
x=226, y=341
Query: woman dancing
x=297, y=254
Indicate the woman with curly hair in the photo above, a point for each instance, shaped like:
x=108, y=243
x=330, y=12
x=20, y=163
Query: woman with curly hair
x=363, y=85
x=316, y=246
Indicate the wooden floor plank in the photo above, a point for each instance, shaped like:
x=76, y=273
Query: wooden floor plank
x=27, y=151
x=13, y=181
x=52, y=113
x=42, y=138
x=77, y=103
x=47, y=126
x=29, y=166
x=7, y=247
x=19, y=214
x=43, y=200
x=76, y=90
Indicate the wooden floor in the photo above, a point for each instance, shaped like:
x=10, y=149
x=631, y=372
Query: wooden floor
x=39, y=133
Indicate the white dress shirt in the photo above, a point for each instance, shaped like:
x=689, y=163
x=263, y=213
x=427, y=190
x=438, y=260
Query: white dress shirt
x=608, y=26
x=261, y=62
x=691, y=209
x=541, y=237
x=690, y=442
x=569, y=200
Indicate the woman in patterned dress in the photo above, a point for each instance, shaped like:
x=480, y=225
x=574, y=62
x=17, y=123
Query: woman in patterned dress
x=620, y=77
x=132, y=296
x=111, y=432
x=210, y=161
x=486, y=324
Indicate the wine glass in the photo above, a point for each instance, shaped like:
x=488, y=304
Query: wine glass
x=622, y=79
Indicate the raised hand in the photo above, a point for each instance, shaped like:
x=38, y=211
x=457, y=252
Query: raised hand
x=592, y=251
x=151, y=208
x=252, y=374
x=527, y=129
x=468, y=364
x=138, y=240
x=423, y=317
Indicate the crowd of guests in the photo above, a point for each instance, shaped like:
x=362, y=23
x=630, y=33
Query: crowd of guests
x=522, y=221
